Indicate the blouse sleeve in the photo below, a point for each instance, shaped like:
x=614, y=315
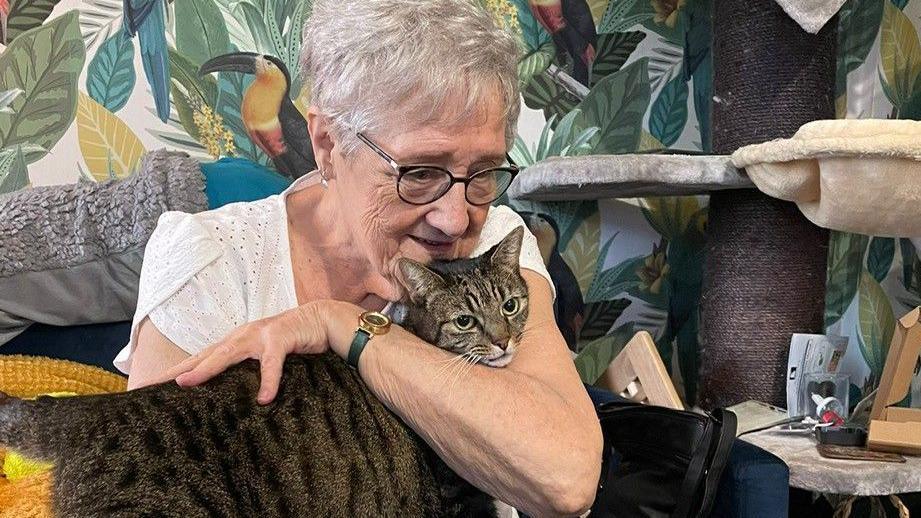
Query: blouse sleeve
x=502, y=220
x=205, y=309
x=188, y=288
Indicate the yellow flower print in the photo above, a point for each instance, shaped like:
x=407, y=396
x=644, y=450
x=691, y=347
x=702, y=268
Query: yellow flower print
x=652, y=273
x=667, y=11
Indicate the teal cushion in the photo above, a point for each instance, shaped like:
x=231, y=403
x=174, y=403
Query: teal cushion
x=230, y=180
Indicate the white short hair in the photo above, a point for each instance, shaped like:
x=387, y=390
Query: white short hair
x=375, y=65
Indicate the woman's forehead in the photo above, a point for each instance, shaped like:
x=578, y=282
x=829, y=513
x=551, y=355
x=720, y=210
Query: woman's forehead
x=471, y=139
x=466, y=146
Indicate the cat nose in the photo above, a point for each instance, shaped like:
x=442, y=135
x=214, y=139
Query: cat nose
x=501, y=344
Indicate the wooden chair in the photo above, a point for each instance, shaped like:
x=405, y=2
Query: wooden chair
x=637, y=373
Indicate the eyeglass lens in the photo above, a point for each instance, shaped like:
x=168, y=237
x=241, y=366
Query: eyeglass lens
x=426, y=184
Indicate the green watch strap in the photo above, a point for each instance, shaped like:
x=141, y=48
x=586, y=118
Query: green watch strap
x=358, y=345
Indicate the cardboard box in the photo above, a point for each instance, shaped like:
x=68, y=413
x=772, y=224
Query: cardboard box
x=896, y=429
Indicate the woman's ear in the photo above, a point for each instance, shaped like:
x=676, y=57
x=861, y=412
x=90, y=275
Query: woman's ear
x=322, y=139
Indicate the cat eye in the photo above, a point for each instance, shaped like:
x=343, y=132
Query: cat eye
x=464, y=322
x=510, y=307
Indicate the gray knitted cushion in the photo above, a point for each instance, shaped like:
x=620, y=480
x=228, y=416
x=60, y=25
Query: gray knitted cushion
x=71, y=254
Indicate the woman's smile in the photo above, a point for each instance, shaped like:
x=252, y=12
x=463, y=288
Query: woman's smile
x=435, y=248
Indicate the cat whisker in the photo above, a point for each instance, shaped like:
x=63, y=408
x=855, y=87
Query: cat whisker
x=446, y=365
x=470, y=358
x=453, y=358
x=450, y=369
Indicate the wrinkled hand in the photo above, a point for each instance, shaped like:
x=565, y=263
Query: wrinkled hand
x=302, y=330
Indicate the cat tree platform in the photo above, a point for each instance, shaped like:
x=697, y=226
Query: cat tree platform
x=626, y=176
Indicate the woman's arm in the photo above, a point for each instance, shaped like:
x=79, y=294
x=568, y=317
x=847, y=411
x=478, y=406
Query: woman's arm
x=155, y=355
x=526, y=433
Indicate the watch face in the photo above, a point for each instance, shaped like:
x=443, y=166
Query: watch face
x=374, y=322
x=376, y=319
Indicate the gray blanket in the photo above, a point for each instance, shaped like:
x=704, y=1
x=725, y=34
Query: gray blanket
x=71, y=254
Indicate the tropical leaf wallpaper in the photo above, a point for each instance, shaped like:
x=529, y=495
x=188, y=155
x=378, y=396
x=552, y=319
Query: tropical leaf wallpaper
x=86, y=89
x=630, y=265
x=873, y=281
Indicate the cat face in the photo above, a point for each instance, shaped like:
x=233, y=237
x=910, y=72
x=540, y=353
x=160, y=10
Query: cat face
x=475, y=307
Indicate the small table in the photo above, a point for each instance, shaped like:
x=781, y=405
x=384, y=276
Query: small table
x=853, y=478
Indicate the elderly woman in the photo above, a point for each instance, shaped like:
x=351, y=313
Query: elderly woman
x=395, y=83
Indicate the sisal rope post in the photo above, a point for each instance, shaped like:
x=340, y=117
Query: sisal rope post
x=764, y=275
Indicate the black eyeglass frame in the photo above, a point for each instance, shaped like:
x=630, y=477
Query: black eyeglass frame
x=403, y=170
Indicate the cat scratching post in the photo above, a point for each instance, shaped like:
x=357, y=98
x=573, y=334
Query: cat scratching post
x=764, y=276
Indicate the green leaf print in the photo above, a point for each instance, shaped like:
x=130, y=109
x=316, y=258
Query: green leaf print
x=911, y=108
x=562, y=141
x=595, y=357
x=45, y=63
x=671, y=215
x=185, y=111
x=613, y=51
x=845, y=264
x=669, y=112
x=877, y=323
x=26, y=15
x=699, y=65
x=858, y=25
x=900, y=54
x=879, y=259
x=614, y=281
x=622, y=15
x=255, y=21
x=534, y=63
x=14, y=173
x=600, y=316
x=200, y=31
x=616, y=105
x=569, y=217
x=110, y=76
x=197, y=88
x=542, y=93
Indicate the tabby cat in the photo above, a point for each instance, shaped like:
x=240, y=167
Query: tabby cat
x=325, y=447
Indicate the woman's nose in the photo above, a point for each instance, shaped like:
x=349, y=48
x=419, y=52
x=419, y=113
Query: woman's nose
x=450, y=215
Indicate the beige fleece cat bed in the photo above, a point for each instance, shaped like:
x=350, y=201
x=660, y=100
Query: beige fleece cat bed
x=860, y=176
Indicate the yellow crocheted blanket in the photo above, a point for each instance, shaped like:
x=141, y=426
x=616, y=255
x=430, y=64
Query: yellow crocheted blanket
x=25, y=486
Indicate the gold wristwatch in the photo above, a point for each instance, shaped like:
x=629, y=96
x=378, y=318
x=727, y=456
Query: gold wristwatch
x=370, y=324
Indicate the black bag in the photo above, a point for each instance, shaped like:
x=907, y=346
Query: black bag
x=661, y=462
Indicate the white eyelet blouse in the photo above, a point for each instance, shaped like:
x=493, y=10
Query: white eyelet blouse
x=205, y=274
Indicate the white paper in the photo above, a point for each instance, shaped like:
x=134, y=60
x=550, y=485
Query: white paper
x=811, y=354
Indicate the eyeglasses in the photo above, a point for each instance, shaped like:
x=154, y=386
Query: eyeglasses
x=419, y=184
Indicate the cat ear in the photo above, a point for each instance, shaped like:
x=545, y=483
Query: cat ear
x=507, y=252
x=418, y=279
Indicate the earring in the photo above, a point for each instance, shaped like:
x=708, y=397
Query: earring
x=323, y=180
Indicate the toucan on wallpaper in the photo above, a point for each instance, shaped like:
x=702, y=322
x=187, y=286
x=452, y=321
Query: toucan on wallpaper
x=88, y=86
